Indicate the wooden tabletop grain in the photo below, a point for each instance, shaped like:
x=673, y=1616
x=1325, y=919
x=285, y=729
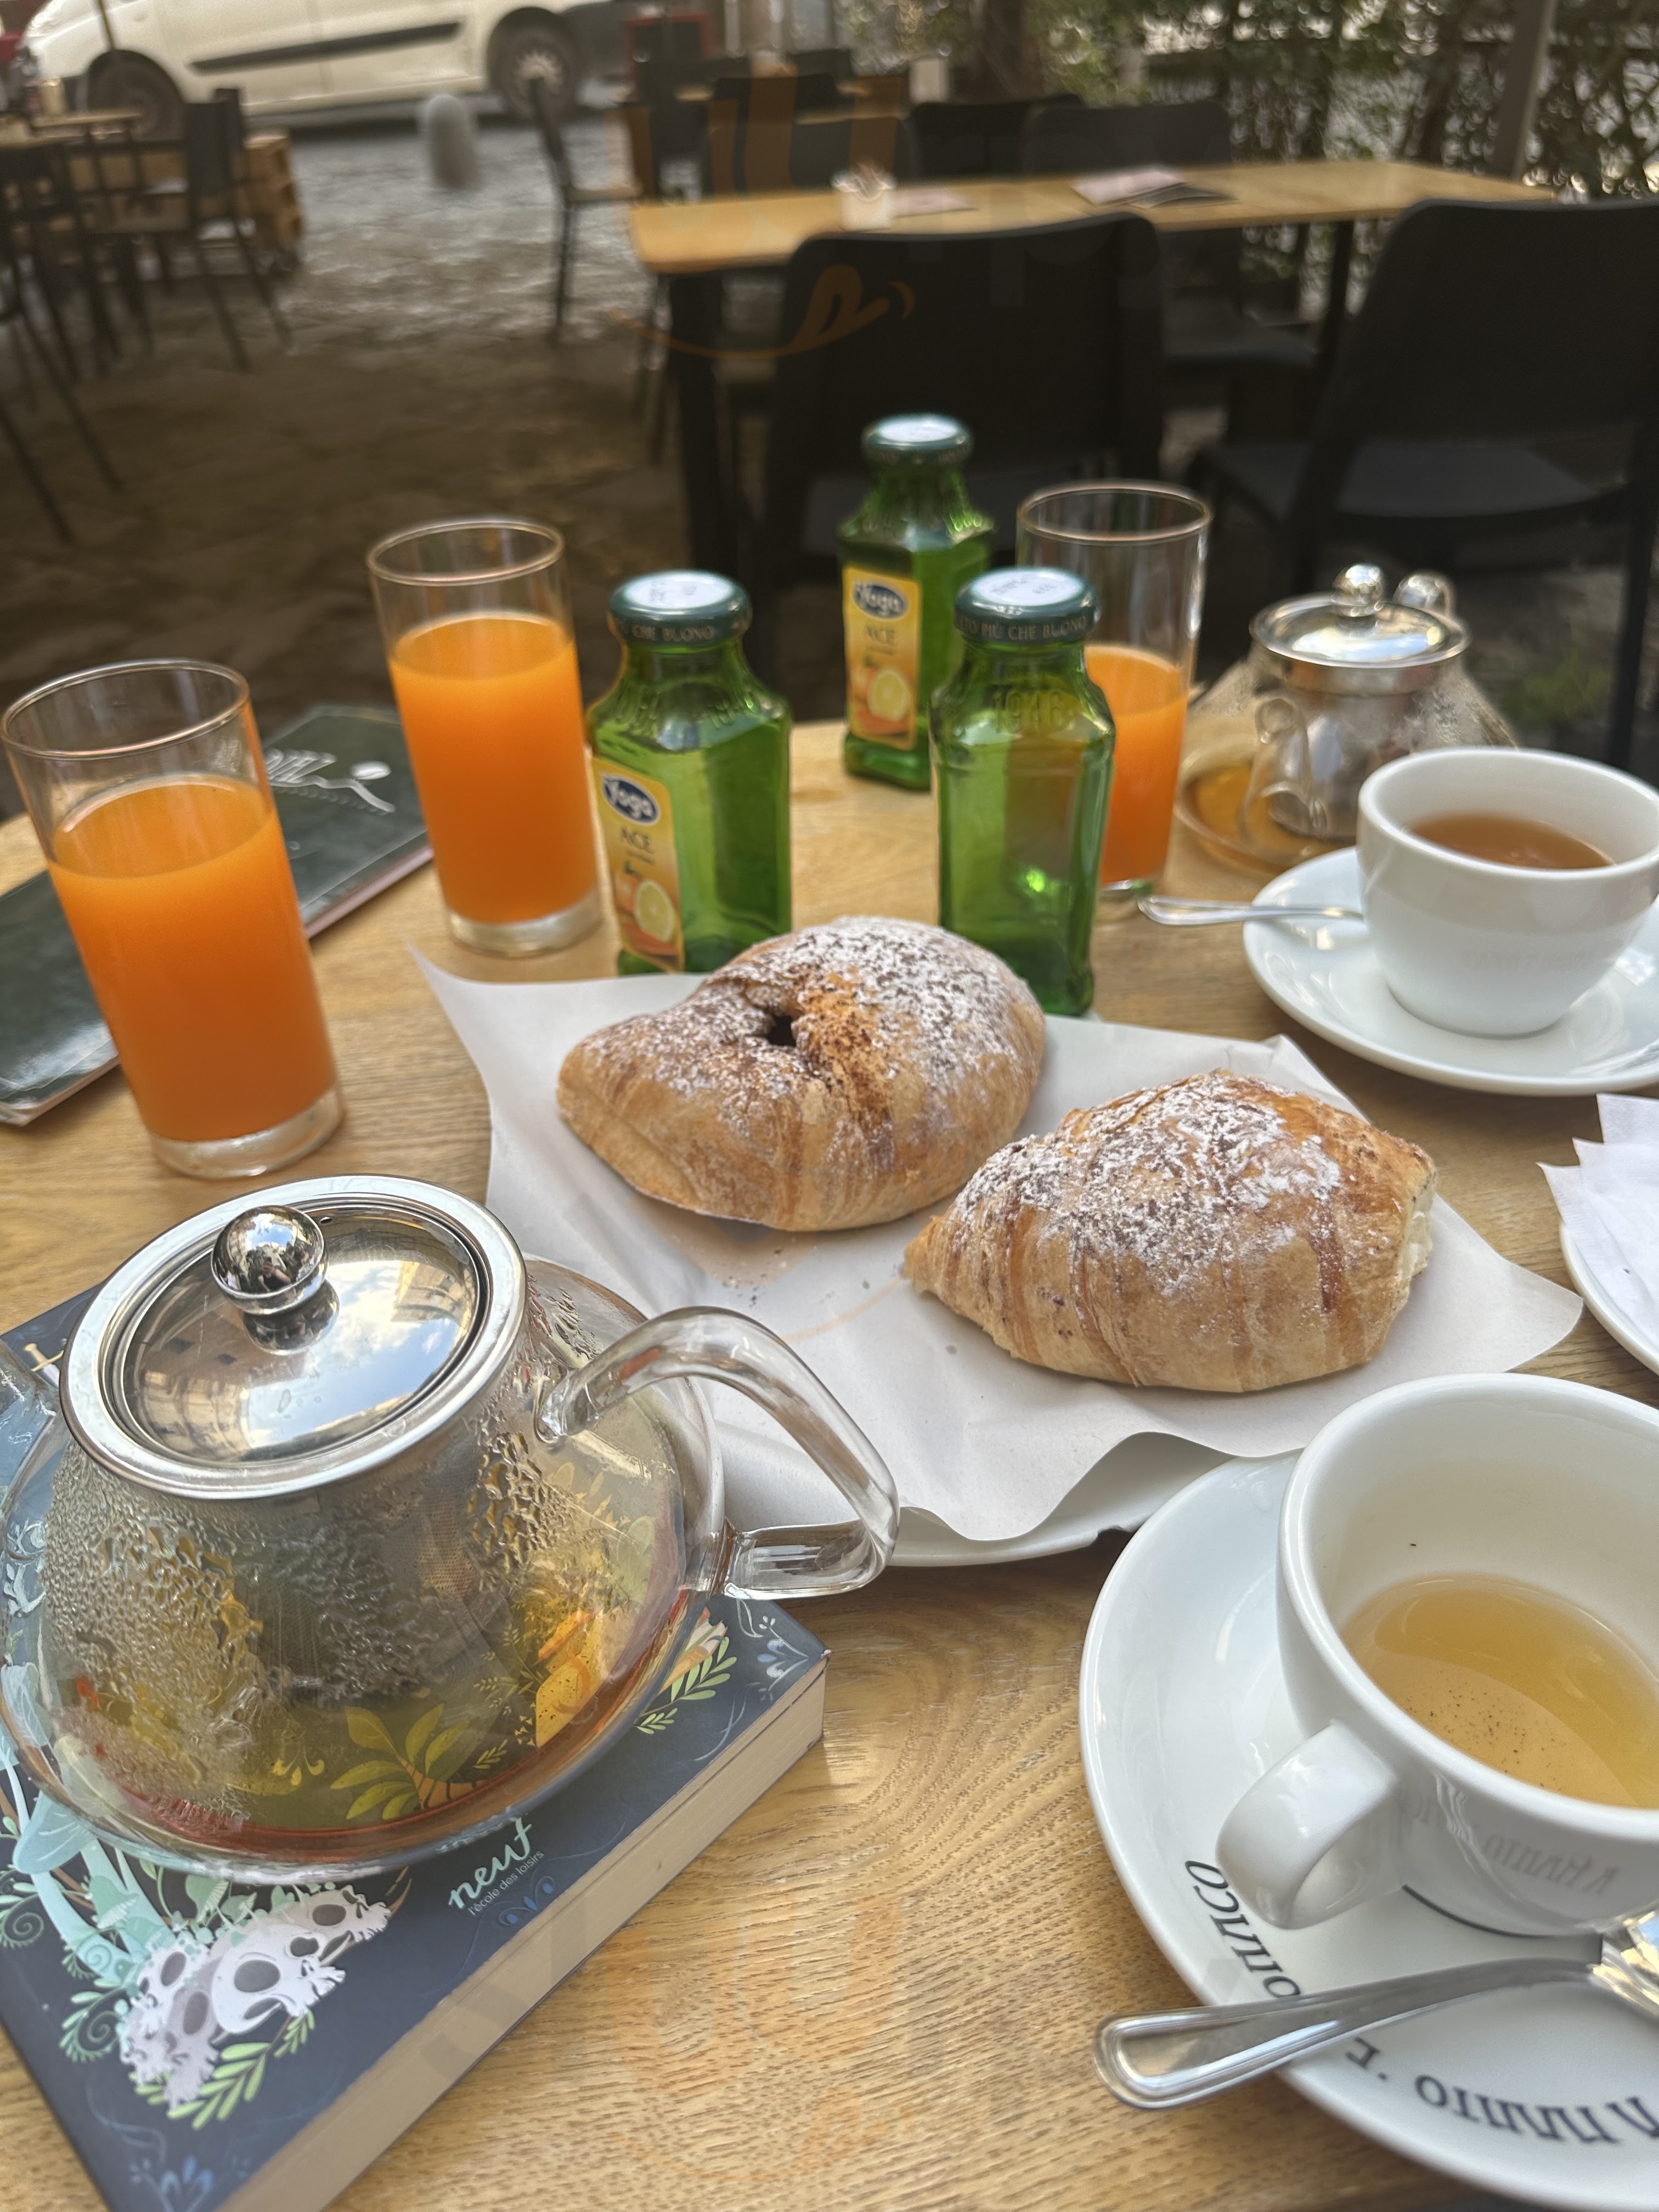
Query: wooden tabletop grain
x=875, y=1992
x=735, y=231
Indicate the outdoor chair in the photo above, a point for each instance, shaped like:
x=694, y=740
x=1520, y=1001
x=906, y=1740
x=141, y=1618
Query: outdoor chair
x=1488, y=337
x=46, y=221
x=1043, y=342
x=806, y=156
x=1206, y=333
x=828, y=61
x=15, y=315
x=574, y=198
x=778, y=100
x=203, y=209
x=973, y=137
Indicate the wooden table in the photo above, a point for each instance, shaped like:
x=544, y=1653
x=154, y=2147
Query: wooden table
x=877, y=1990
x=690, y=241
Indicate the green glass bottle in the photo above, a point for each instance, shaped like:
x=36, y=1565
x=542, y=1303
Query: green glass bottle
x=915, y=541
x=691, y=771
x=1022, y=745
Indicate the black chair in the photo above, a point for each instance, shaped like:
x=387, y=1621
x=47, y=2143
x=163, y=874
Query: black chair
x=1488, y=335
x=206, y=209
x=780, y=98
x=46, y=220
x=805, y=155
x=1043, y=341
x=1206, y=333
x=825, y=61
x=16, y=315
x=974, y=137
x=574, y=198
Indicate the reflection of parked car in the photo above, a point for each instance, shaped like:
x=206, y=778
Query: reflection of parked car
x=290, y=56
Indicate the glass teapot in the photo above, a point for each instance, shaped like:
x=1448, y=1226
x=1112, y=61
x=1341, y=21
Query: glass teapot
x=359, y=1531
x=1347, y=680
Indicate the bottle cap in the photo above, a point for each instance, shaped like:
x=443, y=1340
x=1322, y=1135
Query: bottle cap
x=1027, y=606
x=679, y=606
x=929, y=440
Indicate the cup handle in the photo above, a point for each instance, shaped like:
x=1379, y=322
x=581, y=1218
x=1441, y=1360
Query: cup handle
x=714, y=1346
x=1317, y=1834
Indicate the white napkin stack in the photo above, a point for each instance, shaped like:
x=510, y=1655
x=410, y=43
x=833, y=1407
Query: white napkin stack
x=1610, y=1204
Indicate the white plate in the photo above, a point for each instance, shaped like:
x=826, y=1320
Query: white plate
x=1183, y=1706
x=1326, y=976
x=1601, y=1303
x=1119, y=1492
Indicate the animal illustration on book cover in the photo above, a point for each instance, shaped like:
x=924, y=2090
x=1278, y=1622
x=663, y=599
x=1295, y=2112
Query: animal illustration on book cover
x=198, y=1986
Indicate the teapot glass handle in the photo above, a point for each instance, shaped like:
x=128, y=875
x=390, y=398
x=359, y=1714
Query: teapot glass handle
x=717, y=1346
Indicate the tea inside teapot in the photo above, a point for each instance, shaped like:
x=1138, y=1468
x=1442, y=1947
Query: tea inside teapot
x=369, y=1652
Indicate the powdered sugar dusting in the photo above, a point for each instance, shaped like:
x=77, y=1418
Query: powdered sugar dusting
x=1173, y=1178
x=849, y=1003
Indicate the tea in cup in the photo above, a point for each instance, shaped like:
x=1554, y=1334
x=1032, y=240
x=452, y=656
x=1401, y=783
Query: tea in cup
x=1468, y=1638
x=1498, y=887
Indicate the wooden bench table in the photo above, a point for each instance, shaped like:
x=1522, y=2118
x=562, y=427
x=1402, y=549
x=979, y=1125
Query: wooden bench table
x=877, y=1990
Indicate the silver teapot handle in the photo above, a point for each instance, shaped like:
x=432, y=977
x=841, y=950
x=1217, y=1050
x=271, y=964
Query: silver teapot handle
x=714, y=1346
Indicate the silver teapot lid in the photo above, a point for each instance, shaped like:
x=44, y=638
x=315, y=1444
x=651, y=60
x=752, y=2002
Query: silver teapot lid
x=1354, y=639
x=275, y=1344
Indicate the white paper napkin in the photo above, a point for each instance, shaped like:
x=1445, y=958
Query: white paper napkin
x=985, y=1442
x=1610, y=1204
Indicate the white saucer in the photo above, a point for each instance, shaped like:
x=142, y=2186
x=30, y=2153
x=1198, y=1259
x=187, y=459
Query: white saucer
x=1601, y=1302
x=1181, y=1706
x=1119, y=1492
x=1325, y=975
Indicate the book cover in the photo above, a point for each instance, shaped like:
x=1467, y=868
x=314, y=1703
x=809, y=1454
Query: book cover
x=352, y=824
x=205, y=2045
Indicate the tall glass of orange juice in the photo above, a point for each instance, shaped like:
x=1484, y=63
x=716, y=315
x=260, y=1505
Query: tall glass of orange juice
x=1142, y=547
x=475, y=616
x=148, y=794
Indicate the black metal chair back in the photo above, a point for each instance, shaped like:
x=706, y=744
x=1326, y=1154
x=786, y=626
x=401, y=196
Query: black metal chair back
x=971, y=137
x=1489, y=325
x=213, y=148
x=828, y=61
x=780, y=98
x=805, y=155
x=1043, y=341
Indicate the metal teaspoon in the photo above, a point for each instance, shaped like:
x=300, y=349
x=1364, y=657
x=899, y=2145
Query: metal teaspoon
x=1161, y=2059
x=1194, y=914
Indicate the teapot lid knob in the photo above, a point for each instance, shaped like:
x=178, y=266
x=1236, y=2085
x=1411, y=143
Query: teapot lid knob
x=269, y=1259
x=1359, y=592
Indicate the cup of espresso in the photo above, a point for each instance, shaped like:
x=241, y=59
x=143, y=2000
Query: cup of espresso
x=1498, y=886
x=1469, y=1639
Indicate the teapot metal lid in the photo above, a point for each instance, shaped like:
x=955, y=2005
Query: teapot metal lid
x=1354, y=639
x=277, y=1344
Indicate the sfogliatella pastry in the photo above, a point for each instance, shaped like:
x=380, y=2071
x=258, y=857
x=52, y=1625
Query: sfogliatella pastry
x=841, y=1075
x=1219, y=1234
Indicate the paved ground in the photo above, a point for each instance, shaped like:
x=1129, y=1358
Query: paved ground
x=421, y=382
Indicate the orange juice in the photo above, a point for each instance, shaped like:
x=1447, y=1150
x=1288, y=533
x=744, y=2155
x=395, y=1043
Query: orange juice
x=492, y=712
x=183, y=909
x=1148, y=700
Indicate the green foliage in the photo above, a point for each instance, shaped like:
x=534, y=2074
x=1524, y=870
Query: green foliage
x=1556, y=698
x=1418, y=79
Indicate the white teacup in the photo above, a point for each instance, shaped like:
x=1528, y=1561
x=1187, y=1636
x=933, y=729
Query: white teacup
x=1495, y=951
x=1542, y=1482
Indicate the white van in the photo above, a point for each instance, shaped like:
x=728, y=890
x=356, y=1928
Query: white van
x=291, y=55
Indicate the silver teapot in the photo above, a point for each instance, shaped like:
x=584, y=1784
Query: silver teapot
x=350, y=1532
x=1348, y=680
